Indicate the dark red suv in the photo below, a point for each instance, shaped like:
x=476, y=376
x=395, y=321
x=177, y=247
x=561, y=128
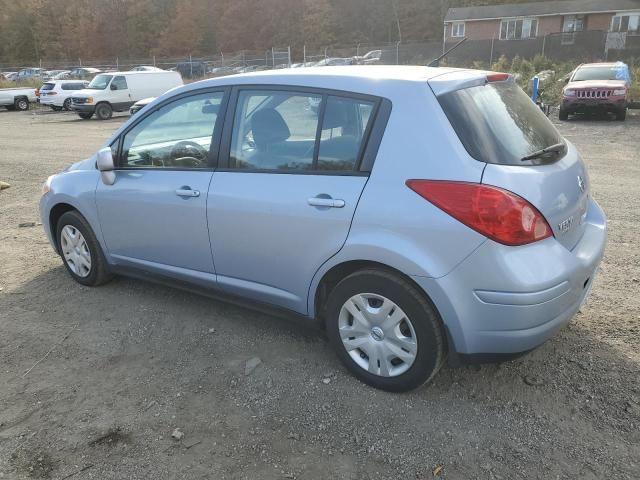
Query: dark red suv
x=594, y=87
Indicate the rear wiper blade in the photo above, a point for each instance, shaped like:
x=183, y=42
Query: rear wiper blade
x=540, y=153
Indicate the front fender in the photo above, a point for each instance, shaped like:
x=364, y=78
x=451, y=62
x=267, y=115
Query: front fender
x=76, y=188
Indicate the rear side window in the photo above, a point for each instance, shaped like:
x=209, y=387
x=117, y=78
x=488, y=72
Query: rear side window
x=73, y=86
x=295, y=131
x=47, y=86
x=498, y=123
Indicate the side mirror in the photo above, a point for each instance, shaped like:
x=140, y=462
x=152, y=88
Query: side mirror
x=106, y=166
x=566, y=79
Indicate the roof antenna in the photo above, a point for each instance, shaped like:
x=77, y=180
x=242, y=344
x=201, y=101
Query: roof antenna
x=436, y=61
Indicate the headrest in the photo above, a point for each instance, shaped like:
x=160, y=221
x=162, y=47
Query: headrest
x=268, y=127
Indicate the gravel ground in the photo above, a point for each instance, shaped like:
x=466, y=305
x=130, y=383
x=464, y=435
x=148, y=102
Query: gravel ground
x=131, y=362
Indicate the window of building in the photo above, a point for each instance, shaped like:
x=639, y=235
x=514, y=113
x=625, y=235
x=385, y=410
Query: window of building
x=457, y=29
x=518, y=28
x=573, y=23
x=626, y=23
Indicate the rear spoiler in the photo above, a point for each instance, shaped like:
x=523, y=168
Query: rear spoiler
x=461, y=79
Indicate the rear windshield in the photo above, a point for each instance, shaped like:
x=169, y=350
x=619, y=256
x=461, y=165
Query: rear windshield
x=47, y=86
x=498, y=123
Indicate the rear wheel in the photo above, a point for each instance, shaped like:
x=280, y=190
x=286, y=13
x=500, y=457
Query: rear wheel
x=104, y=111
x=563, y=114
x=80, y=251
x=21, y=104
x=67, y=104
x=621, y=115
x=85, y=115
x=385, y=331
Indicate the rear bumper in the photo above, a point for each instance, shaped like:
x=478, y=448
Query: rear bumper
x=507, y=300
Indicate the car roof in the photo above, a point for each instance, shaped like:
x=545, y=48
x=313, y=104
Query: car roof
x=373, y=79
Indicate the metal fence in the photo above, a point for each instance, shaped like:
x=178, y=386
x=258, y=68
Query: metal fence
x=579, y=46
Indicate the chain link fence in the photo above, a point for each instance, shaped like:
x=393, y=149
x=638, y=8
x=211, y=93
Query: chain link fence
x=579, y=46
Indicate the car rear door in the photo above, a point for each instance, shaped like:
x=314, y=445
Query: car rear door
x=154, y=215
x=289, y=180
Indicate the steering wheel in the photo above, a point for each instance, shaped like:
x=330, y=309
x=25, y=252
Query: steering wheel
x=188, y=153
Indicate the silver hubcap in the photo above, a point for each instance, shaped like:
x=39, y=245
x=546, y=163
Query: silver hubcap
x=75, y=251
x=378, y=335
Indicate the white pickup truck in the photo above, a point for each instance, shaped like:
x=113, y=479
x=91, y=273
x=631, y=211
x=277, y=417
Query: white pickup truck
x=17, y=98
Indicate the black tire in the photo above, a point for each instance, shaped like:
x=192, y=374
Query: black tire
x=67, y=104
x=99, y=273
x=21, y=104
x=104, y=111
x=621, y=115
x=430, y=337
x=85, y=115
x=563, y=114
x=55, y=108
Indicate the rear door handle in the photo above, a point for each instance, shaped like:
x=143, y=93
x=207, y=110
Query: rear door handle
x=325, y=202
x=186, y=192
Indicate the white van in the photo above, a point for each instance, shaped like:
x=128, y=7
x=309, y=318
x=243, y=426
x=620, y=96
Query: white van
x=117, y=91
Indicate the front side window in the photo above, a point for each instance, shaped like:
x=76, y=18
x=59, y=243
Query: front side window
x=518, y=28
x=290, y=131
x=177, y=135
x=119, y=83
x=457, y=29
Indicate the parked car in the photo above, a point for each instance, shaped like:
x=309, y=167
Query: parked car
x=412, y=233
x=84, y=72
x=17, y=98
x=192, y=69
x=334, y=62
x=116, y=92
x=7, y=75
x=597, y=87
x=140, y=104
x=369, y=58
x=146, y=68
x=29, y=73
x=63, y=75
x=50, y=74
x=57, y=94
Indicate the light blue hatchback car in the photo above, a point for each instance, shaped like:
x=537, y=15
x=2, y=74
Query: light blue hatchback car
x=418, y=212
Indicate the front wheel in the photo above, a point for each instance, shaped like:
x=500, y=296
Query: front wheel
x=80, y=250
x=563, y=114
x=104, y=111
x=385, y=331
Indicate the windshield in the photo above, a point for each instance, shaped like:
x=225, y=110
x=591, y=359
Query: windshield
x=100, y=82
x=598, y=73
x=498, y=123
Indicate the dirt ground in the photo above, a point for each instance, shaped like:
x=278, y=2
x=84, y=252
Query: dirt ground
x=130, y=362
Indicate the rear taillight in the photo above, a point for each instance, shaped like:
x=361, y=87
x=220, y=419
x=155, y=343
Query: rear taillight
x=491, y=211
x=52, y=93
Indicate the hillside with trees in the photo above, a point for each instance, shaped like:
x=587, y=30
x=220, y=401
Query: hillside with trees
x=65, y=30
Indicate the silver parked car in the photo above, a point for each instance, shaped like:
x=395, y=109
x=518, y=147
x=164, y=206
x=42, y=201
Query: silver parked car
x=419, y=213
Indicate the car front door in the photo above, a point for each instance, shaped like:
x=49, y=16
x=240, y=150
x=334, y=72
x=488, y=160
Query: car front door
x=120, y=94
x=282, y=200
x=154, y=215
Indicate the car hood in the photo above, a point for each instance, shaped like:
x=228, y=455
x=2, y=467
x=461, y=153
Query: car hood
x=597, y=84
x=86, y=164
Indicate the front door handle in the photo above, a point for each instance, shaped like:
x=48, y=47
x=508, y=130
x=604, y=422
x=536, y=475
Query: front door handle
x=326, y=202
x=186, y=192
